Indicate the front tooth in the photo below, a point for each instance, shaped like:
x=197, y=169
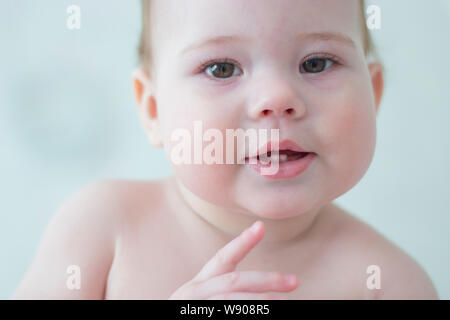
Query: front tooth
x=274, y=158
x=264, y=159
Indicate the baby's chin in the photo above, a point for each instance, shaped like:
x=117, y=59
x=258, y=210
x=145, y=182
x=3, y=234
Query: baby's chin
x=269, y=200
x=274, y=207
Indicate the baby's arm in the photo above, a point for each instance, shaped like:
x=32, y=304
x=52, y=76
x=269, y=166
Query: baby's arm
x=80, y=234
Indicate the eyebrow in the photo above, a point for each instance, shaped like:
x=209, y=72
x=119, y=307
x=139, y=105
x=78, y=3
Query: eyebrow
x=315, y=36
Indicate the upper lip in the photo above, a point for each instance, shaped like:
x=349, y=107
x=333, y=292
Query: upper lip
x=286, y=144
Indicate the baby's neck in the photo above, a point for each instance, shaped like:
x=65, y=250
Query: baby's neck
x=231, y=224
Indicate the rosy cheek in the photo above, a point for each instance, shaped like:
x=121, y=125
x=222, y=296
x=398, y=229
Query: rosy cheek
x=347, y=126
x=202, y=179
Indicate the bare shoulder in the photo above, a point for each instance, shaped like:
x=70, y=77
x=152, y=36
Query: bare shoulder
x=77, y=248
x=400, y=275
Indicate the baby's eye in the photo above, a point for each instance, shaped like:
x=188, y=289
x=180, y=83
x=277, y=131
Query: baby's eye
x=221, y=70
x=316, y=65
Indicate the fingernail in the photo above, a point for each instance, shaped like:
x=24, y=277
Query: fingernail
x=254, y=228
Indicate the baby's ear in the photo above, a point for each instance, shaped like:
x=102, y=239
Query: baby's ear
x=146, y=103
x=377, y=78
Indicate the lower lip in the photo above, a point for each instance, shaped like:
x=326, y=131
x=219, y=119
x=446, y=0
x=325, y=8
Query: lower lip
x=287, y=169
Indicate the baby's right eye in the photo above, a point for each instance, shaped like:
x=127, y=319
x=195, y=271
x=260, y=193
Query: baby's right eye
x=221, y=70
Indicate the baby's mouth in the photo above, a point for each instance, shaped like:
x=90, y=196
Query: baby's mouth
x=282, y=156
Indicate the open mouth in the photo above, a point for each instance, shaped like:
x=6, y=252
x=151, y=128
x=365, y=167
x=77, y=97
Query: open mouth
x=282, y=156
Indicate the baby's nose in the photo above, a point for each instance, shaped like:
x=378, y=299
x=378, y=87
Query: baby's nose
x=277, y=101
x=278, y=111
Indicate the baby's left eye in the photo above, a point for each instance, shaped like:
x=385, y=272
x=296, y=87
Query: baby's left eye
x=316, y=65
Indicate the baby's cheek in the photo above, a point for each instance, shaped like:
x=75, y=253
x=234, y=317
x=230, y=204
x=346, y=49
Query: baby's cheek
x=199, y=170
x=212, y=182
x=349, y=135
x=188, y=115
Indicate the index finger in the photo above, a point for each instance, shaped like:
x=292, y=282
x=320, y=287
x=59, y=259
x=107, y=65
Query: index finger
x=228, y=257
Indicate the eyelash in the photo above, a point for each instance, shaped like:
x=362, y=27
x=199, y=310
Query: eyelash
x=210, y=62
x=335, y=60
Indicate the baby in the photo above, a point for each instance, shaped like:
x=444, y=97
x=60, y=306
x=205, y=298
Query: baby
x=228, y=230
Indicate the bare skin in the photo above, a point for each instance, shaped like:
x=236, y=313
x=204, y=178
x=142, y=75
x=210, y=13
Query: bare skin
x=145, y=240
x=139, y=240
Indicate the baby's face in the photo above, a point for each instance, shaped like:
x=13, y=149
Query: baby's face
x=327, y=106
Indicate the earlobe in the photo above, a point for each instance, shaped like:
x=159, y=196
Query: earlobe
x=377, y=78
x=154, y=135
x=146, y=106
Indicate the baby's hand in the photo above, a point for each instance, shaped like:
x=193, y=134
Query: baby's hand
x=218, y=280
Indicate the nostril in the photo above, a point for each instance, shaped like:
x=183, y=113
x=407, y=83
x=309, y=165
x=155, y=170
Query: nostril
x=290, y=111
x=266, y=112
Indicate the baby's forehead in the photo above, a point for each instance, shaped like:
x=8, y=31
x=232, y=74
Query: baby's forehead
x=187, y=22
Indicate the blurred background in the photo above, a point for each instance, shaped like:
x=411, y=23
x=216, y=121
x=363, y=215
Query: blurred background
x=68, y=118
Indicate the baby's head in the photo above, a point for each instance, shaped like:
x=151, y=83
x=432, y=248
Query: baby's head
x=299, y=66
